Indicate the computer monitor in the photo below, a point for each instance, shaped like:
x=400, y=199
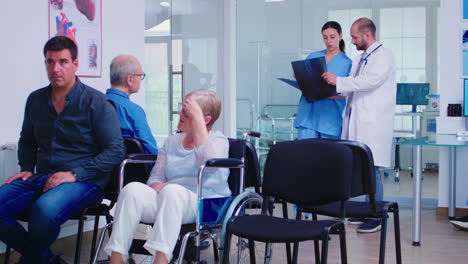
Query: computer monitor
x=412, y=93
x=465, y=97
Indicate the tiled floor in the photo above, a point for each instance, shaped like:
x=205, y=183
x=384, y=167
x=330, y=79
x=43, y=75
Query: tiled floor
x=441, y=243
x=404, y=187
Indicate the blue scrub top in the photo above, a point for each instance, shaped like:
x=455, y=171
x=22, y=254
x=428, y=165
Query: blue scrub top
x=325, y=116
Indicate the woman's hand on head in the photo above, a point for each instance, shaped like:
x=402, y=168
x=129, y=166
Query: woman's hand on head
x=192, y=109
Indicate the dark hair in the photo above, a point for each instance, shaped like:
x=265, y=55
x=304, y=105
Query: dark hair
x=59, y=43
x=364, y=25
x=335, y=25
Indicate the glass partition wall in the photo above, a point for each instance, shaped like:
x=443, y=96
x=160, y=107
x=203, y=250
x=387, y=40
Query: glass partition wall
x=183, y=52
x=271, y=34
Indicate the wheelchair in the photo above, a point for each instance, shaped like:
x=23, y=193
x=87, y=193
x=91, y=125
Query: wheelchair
x=212, y=213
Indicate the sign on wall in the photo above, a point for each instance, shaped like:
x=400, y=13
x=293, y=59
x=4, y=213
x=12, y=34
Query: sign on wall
x=81, y=21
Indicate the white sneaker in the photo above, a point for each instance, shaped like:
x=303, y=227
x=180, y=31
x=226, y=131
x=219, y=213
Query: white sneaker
x=461, y=223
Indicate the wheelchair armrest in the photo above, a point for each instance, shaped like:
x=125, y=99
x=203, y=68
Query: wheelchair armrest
x=224, y=163
x=141, y=157
x=253, y=134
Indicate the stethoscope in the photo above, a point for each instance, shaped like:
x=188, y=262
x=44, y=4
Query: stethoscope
x=370, y=53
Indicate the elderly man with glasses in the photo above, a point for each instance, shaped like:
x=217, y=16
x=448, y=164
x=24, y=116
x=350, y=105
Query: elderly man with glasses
x=126, y=75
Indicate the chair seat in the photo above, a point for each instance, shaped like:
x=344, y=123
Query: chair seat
x=259, y=228
x=354, y=209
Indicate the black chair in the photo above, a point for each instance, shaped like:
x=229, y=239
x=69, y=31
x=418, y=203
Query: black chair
x=363, y=183
x=307, y=172
x=243, y=164
x=110, y=193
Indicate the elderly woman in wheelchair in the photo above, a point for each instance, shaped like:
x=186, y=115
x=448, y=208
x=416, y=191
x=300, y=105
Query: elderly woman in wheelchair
x=169, y=198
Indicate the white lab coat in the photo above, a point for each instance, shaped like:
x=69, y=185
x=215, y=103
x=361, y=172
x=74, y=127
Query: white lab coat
x=372, y=103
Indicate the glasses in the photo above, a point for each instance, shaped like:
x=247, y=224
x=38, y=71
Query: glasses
x=142, y=75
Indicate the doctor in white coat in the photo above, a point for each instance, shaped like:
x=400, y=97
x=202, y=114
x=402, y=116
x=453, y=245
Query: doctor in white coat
x=371, y=95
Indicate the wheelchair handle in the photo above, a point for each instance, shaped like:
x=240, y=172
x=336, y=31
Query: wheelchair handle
x=251, y=134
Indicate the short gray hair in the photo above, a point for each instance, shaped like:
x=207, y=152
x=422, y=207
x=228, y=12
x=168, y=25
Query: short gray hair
x=120, y=68
x=209, y=103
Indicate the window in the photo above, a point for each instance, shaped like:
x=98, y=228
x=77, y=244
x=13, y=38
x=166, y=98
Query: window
x=346, y=18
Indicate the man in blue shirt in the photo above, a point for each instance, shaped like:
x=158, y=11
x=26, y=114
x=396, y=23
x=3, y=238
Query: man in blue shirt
x=126, y=75
x=69, y=143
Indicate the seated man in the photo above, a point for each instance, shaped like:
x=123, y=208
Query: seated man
x=69, y=143
x=125, y=77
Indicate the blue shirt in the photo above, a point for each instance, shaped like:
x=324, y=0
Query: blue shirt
x=84, y=138
x=325, y=116
x=133, y=121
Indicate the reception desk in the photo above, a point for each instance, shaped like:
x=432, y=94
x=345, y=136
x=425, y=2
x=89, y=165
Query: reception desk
x=440, y=140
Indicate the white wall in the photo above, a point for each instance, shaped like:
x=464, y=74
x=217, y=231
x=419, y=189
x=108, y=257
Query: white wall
x=24, y=32
x=451, y=91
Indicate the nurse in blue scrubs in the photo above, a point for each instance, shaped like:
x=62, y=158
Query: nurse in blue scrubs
x=323, y=118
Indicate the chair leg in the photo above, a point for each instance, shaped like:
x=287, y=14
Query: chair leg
x=295, y=252
x=268, y=252
x=396, y=221
x=316, y=243
x=324, y=249
x=343, y=250
x=93, y=242
x=288, y=245
x=252, y=251
x=7, y=254
x=226, y=248
x=79, y=238
x=383, y=237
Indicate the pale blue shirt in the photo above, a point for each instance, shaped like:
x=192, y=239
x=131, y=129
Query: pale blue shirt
x=177, y=165
x=325, y=116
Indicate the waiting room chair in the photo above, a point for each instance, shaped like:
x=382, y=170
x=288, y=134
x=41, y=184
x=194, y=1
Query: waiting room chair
x=110, y=193
x=363, y=183
x=307, y=172
x=244, y=171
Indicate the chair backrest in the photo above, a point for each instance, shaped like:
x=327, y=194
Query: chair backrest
x=363, y=180
x=252, y=176
x=132, y=146
x=308, y=172
x=135, y=172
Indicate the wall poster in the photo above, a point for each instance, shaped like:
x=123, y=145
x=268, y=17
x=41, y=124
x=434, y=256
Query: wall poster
x=81, y=21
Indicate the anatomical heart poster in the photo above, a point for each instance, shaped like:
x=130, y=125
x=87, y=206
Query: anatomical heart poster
x=81, y=21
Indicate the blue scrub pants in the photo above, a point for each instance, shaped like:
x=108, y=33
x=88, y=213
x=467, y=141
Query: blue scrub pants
x=46, y=213
x=304, y=133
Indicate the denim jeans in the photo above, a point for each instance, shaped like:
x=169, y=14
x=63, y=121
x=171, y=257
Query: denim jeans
x=45, y=212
